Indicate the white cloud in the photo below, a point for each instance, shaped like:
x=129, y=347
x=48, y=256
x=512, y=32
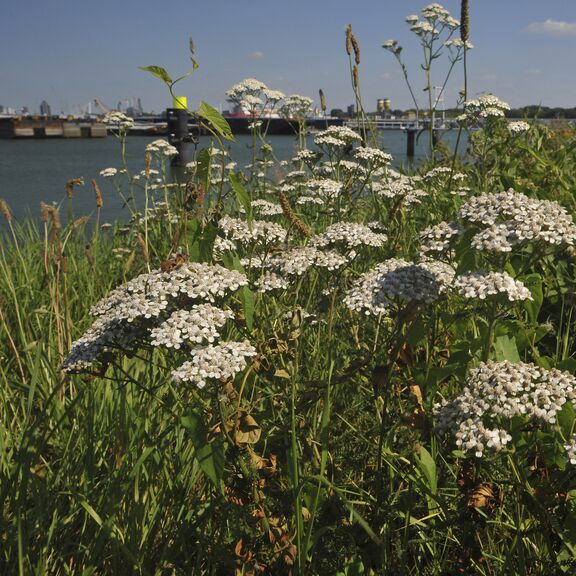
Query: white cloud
x=553, y=27
x=387, y=76
x=257, y=55
x=534, y=72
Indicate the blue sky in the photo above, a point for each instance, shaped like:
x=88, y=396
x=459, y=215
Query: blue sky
x=70, y=52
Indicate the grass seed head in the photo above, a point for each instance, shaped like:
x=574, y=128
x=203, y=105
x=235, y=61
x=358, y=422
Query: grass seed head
x=349, y=39
x=98, y=192
x=464, y=21
x=5, y=210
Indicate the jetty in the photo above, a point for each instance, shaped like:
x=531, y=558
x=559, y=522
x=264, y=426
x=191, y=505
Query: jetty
x=46, y=127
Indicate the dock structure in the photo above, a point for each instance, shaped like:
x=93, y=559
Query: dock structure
x=42, y=127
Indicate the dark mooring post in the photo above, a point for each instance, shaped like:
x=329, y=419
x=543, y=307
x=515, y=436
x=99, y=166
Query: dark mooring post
x=178, y=134
x=410, y=141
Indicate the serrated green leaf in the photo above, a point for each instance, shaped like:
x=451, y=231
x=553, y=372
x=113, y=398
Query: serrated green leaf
x=159, y=72
x=216, y=120
x=241, y=194
x=210, y=455
x=506, y=349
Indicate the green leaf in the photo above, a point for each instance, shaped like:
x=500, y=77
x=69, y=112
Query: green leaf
x=506, y=349
x=534, y=283
x=203, y=163
x=202, y=240
x=210, y=455
x=216, y=120
x=159, y=72
x=428, y=466
x=241, y=194
x=232, y=262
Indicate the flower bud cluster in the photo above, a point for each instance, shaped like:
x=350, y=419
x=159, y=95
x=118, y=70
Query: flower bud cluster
x=496, y=392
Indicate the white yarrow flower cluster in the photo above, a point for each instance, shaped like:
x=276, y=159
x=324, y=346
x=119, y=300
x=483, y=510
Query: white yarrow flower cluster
x=392, y=45
x=495, y=393
x=518, y=127
x=220, y=361
x=266, y=208
x=486, y=106
x=118, y=120
x=161, y=147
x=570, y=448
x=125, y=316
x=298, y=260
x=199, y=324
x=108, y=172
x=398, y=281
x=295, y=106
x=439, y=237
x=337, y=137
x=259, y=231
x=271, y=281
x=510, y=219
x=373, y=156
x=482, y=285
x=348, y=235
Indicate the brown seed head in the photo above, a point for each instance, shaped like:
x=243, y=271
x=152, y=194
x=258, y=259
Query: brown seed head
x=70, y=186
x=148, y=161
x=356, y=48
x=98, y=192
x=5, y=210
x=292, y=216
x=43, y=212
x=349, y=39
x=55, y=216
x=355, y=76
x=464, y=21
x=143, y=247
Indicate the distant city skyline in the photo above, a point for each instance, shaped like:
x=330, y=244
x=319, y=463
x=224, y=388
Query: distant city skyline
x=68, y=53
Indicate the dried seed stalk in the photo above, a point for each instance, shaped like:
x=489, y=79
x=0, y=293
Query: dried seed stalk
x=43, y=212
x=143, y=248
x=292, y=216
x=349, y=39
x=70, y=186
x=356, y=48
x=98, y=192
x=464, y=21
x=5, y=210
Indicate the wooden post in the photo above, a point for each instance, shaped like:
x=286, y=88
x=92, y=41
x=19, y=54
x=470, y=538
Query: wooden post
x=178, y=135
x=410, y=141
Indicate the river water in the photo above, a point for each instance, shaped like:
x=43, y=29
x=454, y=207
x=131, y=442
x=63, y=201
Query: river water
x=32, y=171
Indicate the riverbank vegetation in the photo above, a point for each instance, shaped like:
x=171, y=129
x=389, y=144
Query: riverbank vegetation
x=321, y=366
